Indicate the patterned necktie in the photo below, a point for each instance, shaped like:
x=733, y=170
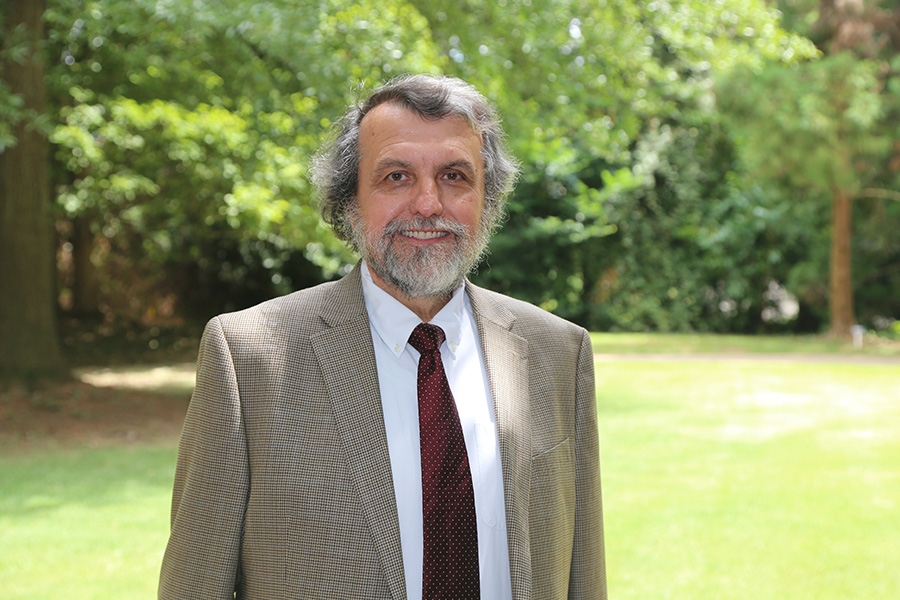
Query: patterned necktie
x=450, y=568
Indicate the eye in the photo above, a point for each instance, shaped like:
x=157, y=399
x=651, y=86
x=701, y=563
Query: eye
x=453, y=176
x=396, y=176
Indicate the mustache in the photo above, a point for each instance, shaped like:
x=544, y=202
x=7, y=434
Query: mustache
x=438, y=223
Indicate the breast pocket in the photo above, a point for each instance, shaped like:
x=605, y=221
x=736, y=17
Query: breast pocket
x=553, y=491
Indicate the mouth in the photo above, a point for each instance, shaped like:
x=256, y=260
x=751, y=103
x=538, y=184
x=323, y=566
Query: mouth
x=419, y=234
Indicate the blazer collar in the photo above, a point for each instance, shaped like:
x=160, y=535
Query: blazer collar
x=346, y=300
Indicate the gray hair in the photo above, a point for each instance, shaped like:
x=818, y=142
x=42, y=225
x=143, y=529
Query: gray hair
x=335, y=168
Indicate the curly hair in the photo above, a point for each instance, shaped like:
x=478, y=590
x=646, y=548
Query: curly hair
x=335, y=168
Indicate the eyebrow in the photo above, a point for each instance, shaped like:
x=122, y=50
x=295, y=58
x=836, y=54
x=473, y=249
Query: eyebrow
x=392, y=163
x=463, y=164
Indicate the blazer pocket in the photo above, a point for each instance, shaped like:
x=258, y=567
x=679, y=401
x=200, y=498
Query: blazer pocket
x=552, y=519
x=555, y=465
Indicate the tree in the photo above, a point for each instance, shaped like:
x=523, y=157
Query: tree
x=29, y=346
x=815, y=127
x=182, y=132
x=826, y=125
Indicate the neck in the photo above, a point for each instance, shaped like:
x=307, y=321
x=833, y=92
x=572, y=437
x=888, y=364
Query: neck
x=424, y=307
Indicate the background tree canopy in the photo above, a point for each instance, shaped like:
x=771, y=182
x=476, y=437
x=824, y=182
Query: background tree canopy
x=688, y=166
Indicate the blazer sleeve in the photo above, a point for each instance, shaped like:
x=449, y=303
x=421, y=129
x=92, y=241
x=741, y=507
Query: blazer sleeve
x=211, y=482
x=588, y=573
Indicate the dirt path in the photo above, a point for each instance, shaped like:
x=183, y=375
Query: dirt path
x=77, y=413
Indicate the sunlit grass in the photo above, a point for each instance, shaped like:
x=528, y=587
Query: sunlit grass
x=687, y=343
x=751, y=480
x=722, y=480
x=88, y=523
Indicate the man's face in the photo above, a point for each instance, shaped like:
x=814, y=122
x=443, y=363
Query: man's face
x=420, y=199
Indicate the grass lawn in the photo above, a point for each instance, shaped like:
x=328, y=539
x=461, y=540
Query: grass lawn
x=722, y=480
x=748, y=480
x=691, y=343
x=84, y=523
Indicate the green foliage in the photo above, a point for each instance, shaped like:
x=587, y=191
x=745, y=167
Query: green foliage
x=809, y=131
x=184, y=129
x=17, y=46
x=585, y=90
x=588, y=75
x=808, y=125
x=876, y=252
x=696, y=246
x=179, y=187
x=11, y=105
x=548, y=251
x=10, y=114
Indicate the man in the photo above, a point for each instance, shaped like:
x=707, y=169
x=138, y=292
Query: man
x=332, y=451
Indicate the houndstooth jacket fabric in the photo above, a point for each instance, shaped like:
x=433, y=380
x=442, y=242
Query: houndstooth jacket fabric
x=283, y=486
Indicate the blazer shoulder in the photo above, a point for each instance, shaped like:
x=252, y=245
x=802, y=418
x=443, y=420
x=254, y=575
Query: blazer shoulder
x=300, y=313
x=518, y=314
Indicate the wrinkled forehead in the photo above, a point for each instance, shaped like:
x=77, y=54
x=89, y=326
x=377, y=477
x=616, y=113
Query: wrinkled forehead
x=391, y=128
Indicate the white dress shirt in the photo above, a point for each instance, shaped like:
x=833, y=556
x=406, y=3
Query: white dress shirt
x=397, y=362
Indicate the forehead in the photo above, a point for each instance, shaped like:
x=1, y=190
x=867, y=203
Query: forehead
x=391, y=128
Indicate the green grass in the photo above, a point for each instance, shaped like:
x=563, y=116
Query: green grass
x=688, y=343
x=722, y=480
x=86, y=523
x=748, y=480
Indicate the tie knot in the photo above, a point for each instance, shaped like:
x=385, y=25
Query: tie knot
x=426, y=338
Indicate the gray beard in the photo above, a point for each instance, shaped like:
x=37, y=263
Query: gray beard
x=421, y=272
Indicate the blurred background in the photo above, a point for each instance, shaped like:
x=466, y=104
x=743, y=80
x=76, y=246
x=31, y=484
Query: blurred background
x=728, y=166
x=711, y=177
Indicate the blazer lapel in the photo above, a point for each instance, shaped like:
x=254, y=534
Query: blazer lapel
x=506, y=360
x=347, y=359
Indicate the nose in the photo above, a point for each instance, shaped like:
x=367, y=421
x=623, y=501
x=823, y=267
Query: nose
x=426, y=200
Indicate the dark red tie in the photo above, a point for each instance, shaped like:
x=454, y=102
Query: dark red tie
x=450, y=569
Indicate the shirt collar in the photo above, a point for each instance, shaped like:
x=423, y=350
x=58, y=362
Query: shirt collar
x=394, y=323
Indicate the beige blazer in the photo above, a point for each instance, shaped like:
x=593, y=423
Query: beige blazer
x=283, y=487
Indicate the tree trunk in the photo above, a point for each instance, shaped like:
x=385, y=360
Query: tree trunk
x=86, y=291
x=29, y=346
x=840, y=297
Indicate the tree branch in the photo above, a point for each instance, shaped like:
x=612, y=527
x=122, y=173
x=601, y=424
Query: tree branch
x=878, y=194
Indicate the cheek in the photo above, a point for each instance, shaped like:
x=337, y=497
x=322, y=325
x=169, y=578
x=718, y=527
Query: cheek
x=470, y=214
x=375, y=214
